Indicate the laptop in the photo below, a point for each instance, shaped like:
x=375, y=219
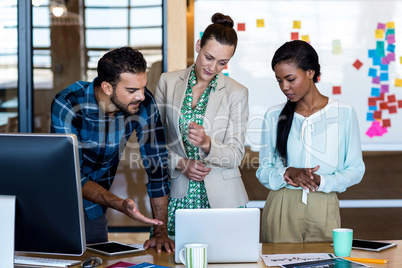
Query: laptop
x=232, y=235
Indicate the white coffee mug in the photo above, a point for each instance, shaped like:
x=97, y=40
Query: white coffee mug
x=194, y=255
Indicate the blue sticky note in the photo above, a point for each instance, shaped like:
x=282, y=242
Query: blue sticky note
x=384, y=77
x=384, y=67
x=376, y=61
x=226, y=74
x=375, y=91
x=380, y=49
x=391, y=48
x=372, y=108
x=372, y=72
x=201, y=33
x=371, y=53
x=370, y=117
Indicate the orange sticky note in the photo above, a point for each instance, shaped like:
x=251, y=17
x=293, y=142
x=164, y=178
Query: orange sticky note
x=260, y=23
x=398, y=82
x=241, y=27
x=296, y=24
x=336, y=90
x=386, y=123
x=377, y=114
x=294, y=36
x=392, y=98
x=400, y=104
x=372, y=102
x=357, y=64
x=392, y=109
x=383, y=105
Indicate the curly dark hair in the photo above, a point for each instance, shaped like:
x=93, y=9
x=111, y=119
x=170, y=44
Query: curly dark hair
x=118, y=61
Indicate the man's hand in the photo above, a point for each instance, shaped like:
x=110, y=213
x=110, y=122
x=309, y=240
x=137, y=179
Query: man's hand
x=130, y=209
x=159, y=240
x=303, y=177
x=197, y=136
x=193, y=169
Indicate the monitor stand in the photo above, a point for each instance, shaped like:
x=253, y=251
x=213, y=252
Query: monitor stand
x=7, y=227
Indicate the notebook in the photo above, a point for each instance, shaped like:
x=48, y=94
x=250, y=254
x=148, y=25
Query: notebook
x=232, y=235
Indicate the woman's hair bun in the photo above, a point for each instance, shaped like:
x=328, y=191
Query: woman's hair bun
x=219, y=18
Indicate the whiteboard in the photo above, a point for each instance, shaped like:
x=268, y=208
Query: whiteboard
x=341, y=32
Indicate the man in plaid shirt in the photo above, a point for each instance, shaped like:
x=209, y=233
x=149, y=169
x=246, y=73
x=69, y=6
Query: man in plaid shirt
x=103, y=114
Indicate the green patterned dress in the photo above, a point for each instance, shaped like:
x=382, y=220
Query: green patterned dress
x=196, y=196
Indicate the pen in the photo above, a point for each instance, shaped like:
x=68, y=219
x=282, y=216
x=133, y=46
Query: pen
x=367, y=260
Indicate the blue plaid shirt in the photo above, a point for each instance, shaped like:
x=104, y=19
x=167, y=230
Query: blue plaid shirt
x=103, y=138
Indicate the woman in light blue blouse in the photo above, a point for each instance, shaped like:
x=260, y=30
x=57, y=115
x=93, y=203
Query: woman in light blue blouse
x=310, y=149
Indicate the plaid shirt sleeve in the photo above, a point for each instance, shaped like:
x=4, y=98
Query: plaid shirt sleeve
x=151, y=138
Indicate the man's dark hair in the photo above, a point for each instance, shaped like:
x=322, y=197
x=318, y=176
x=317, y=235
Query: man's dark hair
x=118, y=61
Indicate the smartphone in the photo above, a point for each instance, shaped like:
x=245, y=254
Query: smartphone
x=114, y=248
x=371, y=245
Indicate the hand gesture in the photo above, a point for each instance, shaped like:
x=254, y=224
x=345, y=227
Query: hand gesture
x=197, y=136
x=159, y=240
x=130, y=209
x=193, y=169
x=303, y=177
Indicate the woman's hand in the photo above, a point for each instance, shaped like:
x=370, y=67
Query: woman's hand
x=303, y=177
x=193, y=169
x=197, y=136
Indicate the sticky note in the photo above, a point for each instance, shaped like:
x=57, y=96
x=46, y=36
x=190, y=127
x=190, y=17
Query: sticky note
x=384, y=67
x=385, y=61
x=381, y=26
x=391, y=98
x=336, y=47
x=384, y=77
x=372, y=101
x=294, y=36
x=383, y=106
x=372, y=72
x=391, y=56
x=376, y=61
x=375, y=92
x=201, y=33
x=400, y=60
x=296, y=24
x=391, y=48
x=386, y=123
x=390, y=31
x=379, y=33
x=357, y=64
x=336, y=90
x=384, y=88
x=260, y=23
x=305, y=38
x=382, y=97
x=241, y=27
x=376, y=80
x=392, y=109
x=372, y=108
x=390, y=25
x=376, y=129
x=391, y=38
x=226, y=74
x=400, y=104
x=380, y=49
x=377, y=114
x=398, y=82
x=370, y=117
x=226, y=66
x=371, y=53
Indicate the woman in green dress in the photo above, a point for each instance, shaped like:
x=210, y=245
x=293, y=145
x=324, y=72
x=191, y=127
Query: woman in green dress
x=205, y=114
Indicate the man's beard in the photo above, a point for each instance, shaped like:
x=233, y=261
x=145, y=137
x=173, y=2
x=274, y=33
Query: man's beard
x=123, y=107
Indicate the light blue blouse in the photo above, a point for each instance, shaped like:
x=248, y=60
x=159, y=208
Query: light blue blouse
x=329, y=138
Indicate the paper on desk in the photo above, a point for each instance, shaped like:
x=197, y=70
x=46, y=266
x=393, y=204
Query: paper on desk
x=281, y=259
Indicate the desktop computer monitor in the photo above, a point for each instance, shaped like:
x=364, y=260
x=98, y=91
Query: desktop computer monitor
x=43, y=172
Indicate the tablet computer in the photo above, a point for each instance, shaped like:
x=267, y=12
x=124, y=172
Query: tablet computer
x=113, y=248
x=371, y=245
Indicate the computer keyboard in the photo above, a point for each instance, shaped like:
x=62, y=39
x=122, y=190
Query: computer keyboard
x=44, y=261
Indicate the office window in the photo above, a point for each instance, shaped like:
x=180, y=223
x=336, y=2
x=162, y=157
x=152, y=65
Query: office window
x=8, y=66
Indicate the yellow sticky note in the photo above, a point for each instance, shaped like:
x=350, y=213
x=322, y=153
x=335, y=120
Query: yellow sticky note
x=305, y=38
x=260, y=23
x=296, y=24
x=398, y=82
x=379, y=33
x=400, y=60
x=390, y=25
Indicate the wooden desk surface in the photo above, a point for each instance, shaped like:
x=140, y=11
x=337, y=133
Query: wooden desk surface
x=394, y=255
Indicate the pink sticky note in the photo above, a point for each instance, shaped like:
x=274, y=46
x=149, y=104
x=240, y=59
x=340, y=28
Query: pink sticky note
x=391, y=38
x=376, y=130
x=376, y=80
x=384, y=88
x=391, y=56
x=381, y=26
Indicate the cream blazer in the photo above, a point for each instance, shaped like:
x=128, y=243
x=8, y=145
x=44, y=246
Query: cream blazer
x=224, y=122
